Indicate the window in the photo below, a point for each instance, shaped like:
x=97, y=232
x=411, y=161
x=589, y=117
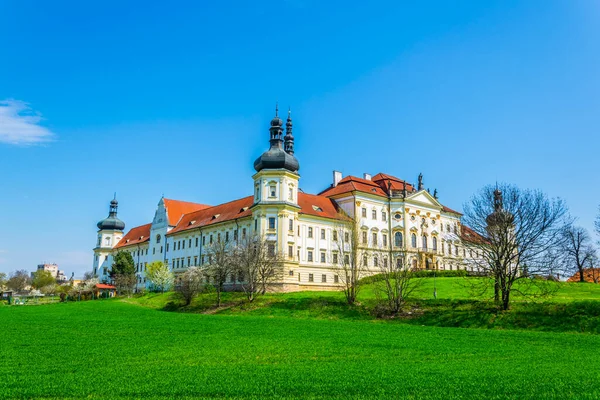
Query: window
x=218, y=238
x=189, y=261
x=161, y=249
x=311, y=278
x=243, y=233
x=291, y=273
x=365, y=261
x=335, y=258
x=271, y=250
x=255, y=224
x=398, y=239
x=346, y=237
x=398, y=263
x=323, y=257
x=310, y=232
x=298, y=230
x=271, y=222
x=183, y=244
x=202, y=259
x=450, y=248
x=189, y=244
x=413, y=238
x=291, y=225
x=235, y=235
x=157, y=238
x=291, y=194
x=434, y=243
x=196, y=244
x=195, y=260
x=335, y=237
x=154, y=250
x=310, y=255
x=375, y=261
x=374, y=214
x=448, y=227
x=364, y=237
x=346, y=259
x=203, y=240
x=272, y=191
x=323, y=234
x=374, y=238
x=398, y=216
x=424, y=242
x=290, y=251
x=384, y=237
x=323, y=278
x=210, y=239
x=383, y=216
x=364, y=212
x=456, y=229
x=336, y=279
x=456, y=251
x=227, y=236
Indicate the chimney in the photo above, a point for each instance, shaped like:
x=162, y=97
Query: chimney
x=367, y=176
x=337, y=177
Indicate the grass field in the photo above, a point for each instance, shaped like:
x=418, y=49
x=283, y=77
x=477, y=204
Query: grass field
x=115, y=349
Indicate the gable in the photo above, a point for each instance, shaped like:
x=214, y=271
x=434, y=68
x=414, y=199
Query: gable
x=424, y=199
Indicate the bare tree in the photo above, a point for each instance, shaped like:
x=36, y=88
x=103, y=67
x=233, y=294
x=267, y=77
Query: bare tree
x=257, y=263
x=124, y=283
x=190, y=284
x=221, y=265
x=576, y=250
x=349, y=259
x=597, y=223
x=396, y=281
x=512, y=230
x=19, y=280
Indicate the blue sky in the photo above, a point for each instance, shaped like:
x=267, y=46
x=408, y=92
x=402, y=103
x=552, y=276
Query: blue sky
x=146, y=98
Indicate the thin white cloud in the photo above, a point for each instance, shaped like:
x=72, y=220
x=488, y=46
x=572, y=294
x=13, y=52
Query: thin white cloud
x=20, y=125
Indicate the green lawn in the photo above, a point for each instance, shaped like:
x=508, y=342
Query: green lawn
x=115, y=349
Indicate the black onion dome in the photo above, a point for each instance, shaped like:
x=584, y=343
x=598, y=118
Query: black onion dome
x=276, y=121
x=276, y=158
x=500, y=216
x=112, y=222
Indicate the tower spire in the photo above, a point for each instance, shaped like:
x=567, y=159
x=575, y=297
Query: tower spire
x=288, y=144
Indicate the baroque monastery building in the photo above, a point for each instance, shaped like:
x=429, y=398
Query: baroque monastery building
x=402, y=221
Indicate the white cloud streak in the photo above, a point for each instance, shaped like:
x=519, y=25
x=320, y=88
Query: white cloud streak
x=20, y=125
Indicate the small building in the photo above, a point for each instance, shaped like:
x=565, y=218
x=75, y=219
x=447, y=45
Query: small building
x=105, y=291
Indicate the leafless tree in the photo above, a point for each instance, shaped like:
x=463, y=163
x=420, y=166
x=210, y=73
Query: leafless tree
x=19, y=280
x=257, y=263
x=350, y=254
x=597, y=223
x=190, y=284
x=221, y=265
x=124, y=283
x=576, y=250
x=513, y=230
x=396, y=280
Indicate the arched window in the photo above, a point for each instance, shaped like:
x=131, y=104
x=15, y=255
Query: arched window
x=398, y=239
x=414, y=263
x=434, y=243
x=424, y=242
x=157, y=238
x=413, y=239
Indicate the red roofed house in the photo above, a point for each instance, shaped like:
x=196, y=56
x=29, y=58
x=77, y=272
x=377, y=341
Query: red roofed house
x=401, y=220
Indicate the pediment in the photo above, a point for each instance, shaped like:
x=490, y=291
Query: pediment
x=424, y=198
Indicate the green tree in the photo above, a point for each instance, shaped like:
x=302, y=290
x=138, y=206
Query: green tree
x=42, y=278
x=160, y=276
x=2, y=279
x=123, y=264
x=122, y=272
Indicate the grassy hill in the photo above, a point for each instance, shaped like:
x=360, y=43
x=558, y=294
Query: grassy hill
x=573, y=307
x=115, y=349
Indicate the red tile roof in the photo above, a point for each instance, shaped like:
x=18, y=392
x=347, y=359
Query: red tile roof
x=104, y=286
x=177, y=208
x=469, y=235
x=449, y=210
x=319, y=206
x=396, y=183
x=354, y=184
x=137, y=235
x=214, y=215
x=589, y=274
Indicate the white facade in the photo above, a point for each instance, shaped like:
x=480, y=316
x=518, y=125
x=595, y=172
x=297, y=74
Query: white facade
x=406, y=225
